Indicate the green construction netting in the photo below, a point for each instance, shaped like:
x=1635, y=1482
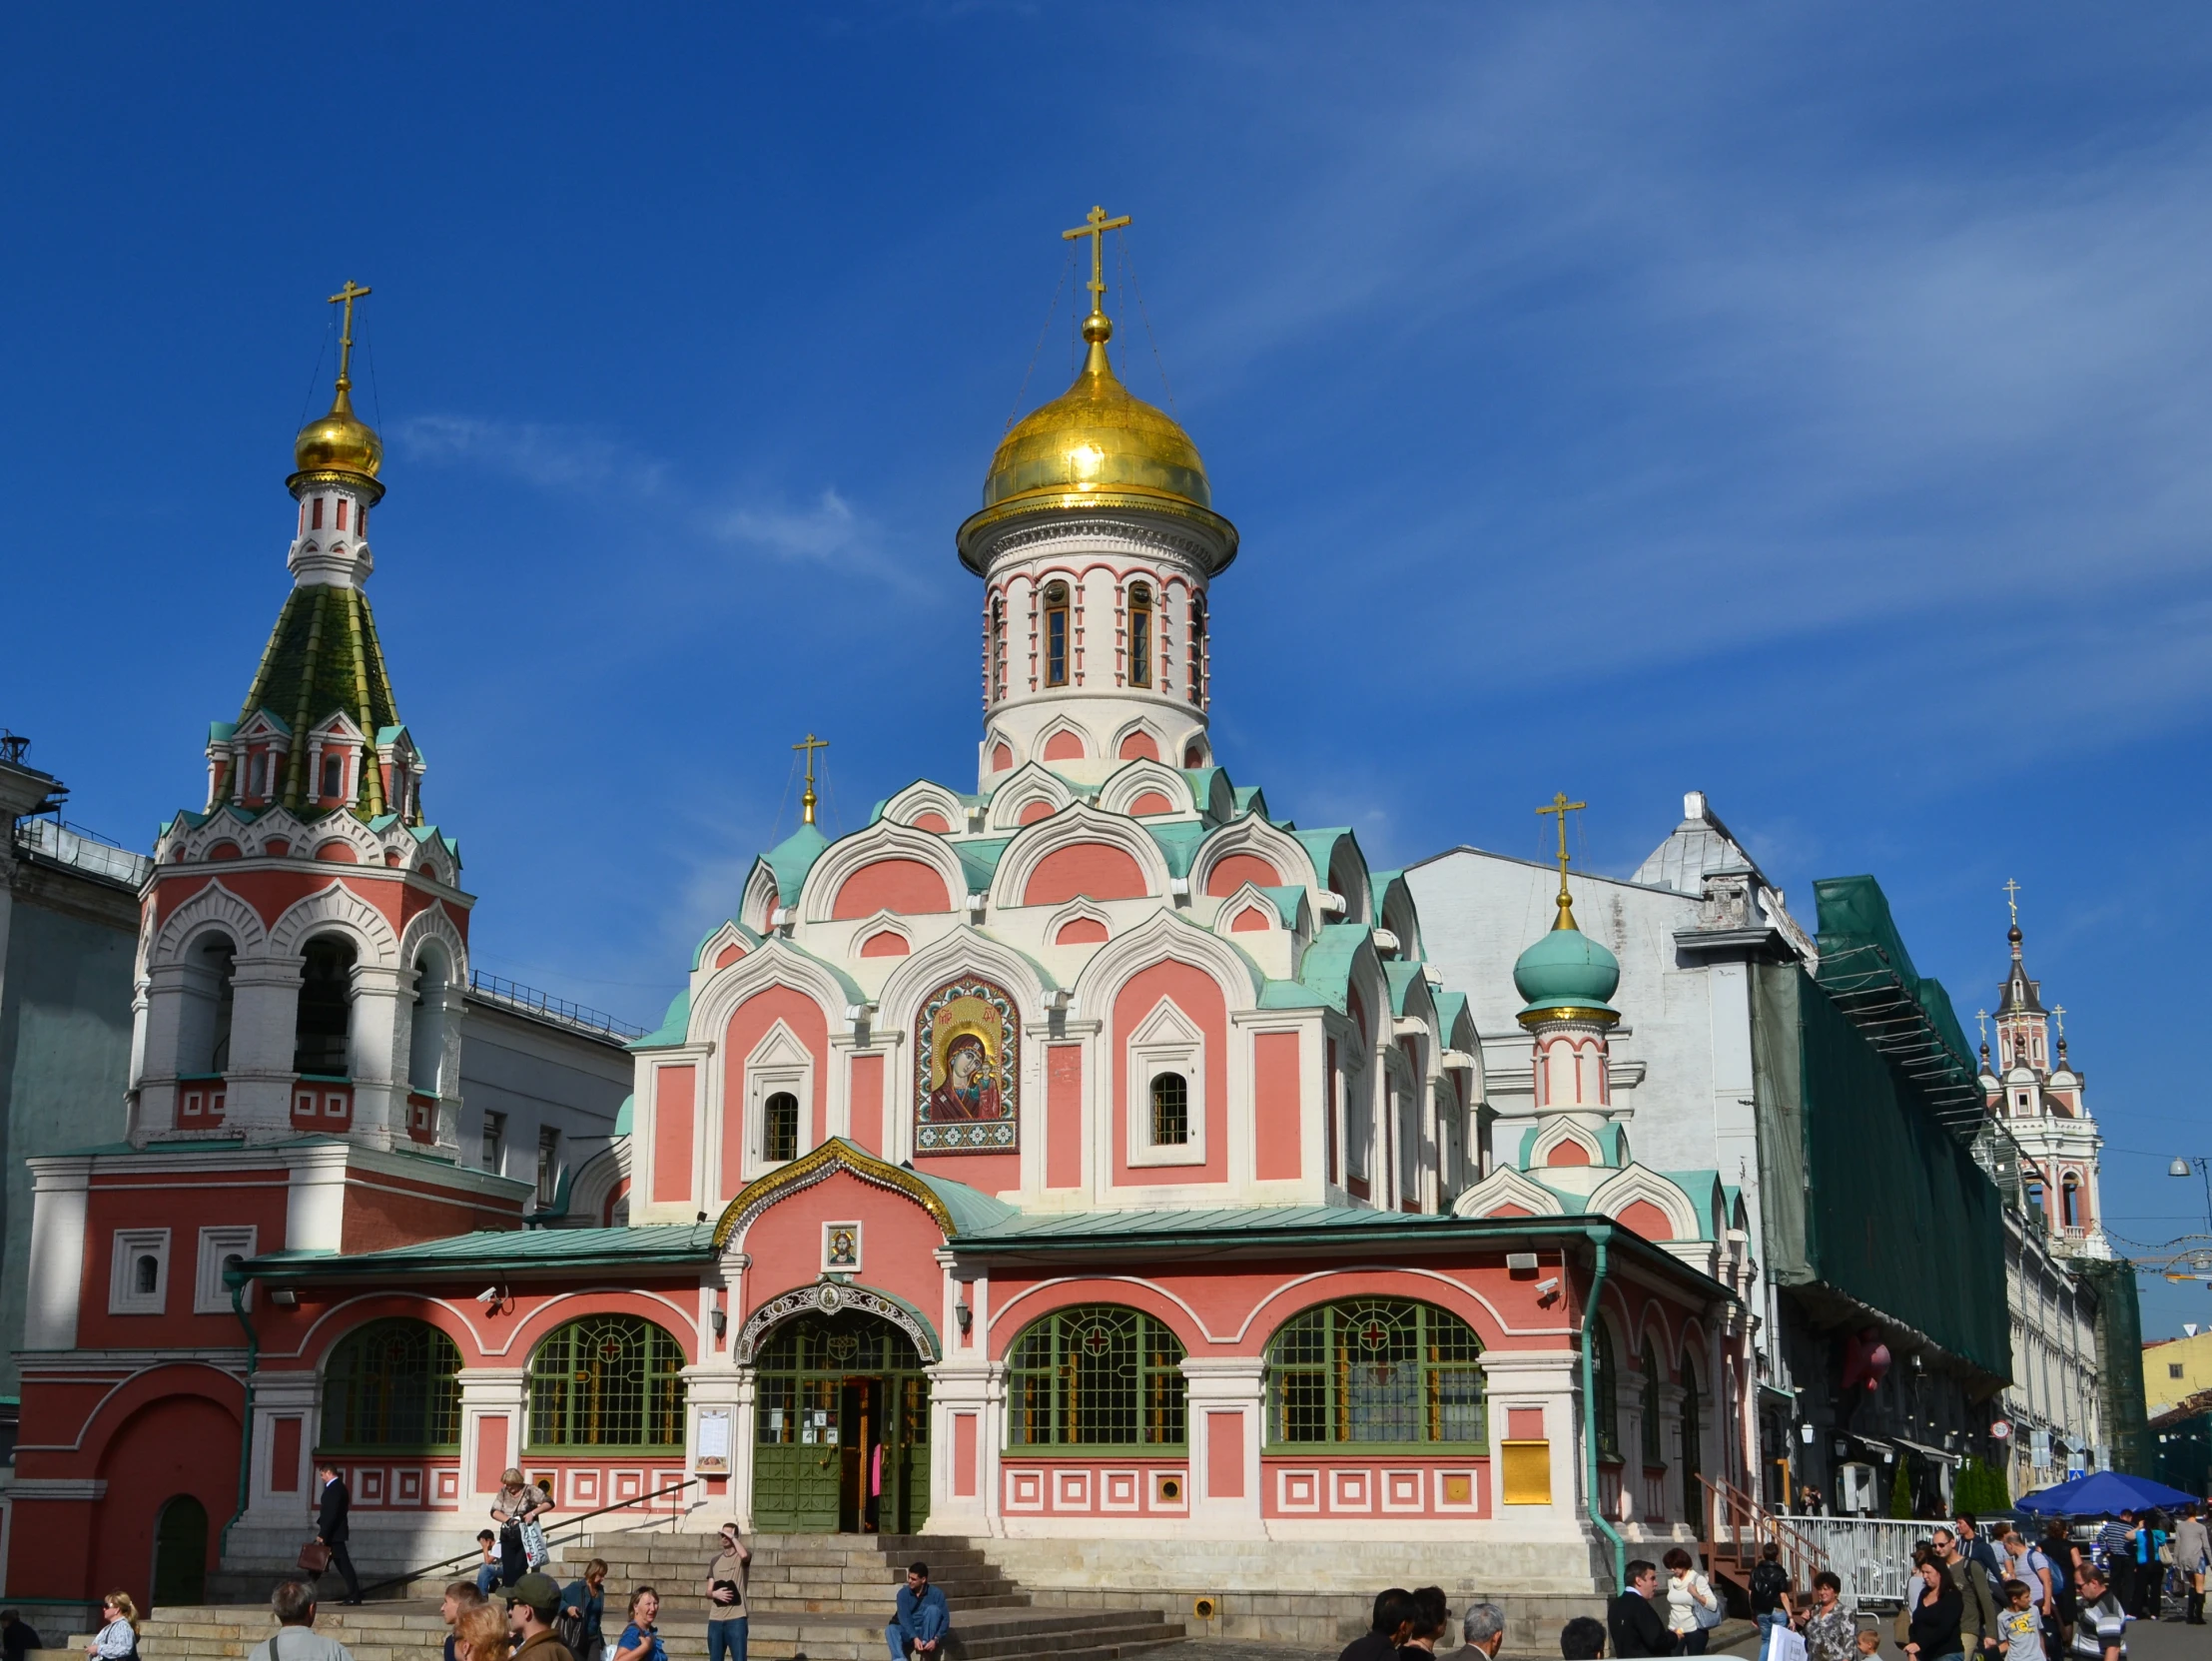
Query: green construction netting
x=1865, y=968
x=1865, y=1192
x=2120, y=1365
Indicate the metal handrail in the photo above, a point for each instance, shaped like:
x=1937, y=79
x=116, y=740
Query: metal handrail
x=459, y=1557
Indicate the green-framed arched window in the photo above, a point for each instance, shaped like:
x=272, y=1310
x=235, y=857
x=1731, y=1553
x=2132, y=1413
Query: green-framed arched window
x=613, y=1381
x=1655, y=1443
x=1099, y=1375
x=1380, y=1370
x=1605, y=1379
x=393, y=1384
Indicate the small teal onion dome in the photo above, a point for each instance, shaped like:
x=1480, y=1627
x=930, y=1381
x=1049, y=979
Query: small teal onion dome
x=1567, y=976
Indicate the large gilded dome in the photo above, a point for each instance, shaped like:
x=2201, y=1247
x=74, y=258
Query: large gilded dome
x=339, y=441
x=1096, y=446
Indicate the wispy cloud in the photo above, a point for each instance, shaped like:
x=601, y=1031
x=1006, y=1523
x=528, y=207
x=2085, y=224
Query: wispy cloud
x=549, y=456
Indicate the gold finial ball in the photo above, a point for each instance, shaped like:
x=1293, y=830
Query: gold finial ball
x=1098, y=328
x=339, y=441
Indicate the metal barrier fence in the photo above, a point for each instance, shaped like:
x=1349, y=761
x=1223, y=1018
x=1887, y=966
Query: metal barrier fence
x=1872, y=1556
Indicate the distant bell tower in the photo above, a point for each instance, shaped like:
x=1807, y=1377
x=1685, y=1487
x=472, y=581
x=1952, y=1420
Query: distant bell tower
x=2035, y=1090
x=306, y=944
x=1095, y=543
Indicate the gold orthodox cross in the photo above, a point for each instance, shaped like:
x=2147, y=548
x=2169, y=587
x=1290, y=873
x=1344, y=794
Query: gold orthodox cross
x=1981, y=1020
x=1561, y=807
x=348, y=295
x=2059, y=1010
x=1095, y=226
x=2013, y=899
x=806, y=802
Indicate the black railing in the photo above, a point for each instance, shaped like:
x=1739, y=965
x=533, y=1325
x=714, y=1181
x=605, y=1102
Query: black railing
x=472, y=1557
x=528, y=998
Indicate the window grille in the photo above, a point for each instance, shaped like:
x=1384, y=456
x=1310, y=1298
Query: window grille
x=1140, y=636
x=1171, y=1111
x=607, y=1381
x=799, y=1369
x=1095, y=1376
x=1605, y=1377
x=779, y=1128
x=1380, y=1370
x=1055, y=636
x=393, y=1383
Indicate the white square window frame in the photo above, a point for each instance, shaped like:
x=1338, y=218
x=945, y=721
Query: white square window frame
x=779, y=1062
x=123, y=1296
x=209, y=1296
x=1166, y=1040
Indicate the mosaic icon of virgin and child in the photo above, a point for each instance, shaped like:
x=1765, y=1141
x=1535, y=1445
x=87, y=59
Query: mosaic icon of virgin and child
x=970, y=1089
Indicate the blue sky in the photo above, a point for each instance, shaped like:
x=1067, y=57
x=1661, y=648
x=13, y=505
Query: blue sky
x=1805, y=405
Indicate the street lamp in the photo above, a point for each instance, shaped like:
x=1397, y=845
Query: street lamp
x=2181, y=1167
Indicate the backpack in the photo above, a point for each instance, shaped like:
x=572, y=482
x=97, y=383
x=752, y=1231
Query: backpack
x=1768, y=1582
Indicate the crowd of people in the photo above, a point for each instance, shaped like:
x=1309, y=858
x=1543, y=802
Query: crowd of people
x=1975, y=1593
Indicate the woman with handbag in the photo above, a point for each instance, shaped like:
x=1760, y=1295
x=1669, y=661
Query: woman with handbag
x=1693, y=1609
x=514, y=1510
x=118, y=1636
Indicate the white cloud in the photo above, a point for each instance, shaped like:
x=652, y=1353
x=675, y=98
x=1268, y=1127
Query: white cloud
x=551, y=457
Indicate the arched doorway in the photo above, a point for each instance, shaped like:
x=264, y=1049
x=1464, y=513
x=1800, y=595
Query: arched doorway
x=841, y=1428
x=181, y=1553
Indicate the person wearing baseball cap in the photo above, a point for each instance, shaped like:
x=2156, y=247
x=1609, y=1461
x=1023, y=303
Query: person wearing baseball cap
x=533, y=1603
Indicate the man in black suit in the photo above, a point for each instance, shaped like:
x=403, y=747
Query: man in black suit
x=1634, y=1621
x=332, y=1528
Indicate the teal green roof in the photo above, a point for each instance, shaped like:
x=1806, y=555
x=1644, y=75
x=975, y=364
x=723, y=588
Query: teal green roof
x=1178, y=841
x=979, y=861
x=495, y=1250
x=218, y=731
x=322, y=658
x=625, y=1116
x=1404, y=979
x=673, y=1026
x=1451, y=1010
x=1567, y=970
x=790, y=860
x=1321, y=845
x=1287, y=902
x=1325, y=969
x=974, y=1212
x=1249, y=798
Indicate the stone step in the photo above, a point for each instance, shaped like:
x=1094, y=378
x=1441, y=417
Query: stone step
x=399, y=1631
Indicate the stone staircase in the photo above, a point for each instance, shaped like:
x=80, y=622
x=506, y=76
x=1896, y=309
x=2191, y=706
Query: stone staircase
x=812, y=1597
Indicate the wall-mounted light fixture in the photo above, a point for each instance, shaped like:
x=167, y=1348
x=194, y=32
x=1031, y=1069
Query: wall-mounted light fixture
x=284, y=1298
x=966, y=1317
x=719, y=1320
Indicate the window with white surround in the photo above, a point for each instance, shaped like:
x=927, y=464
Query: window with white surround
x=138, y=1279
x=1166, y=1074
x=220, y=1249
x=779, y=1083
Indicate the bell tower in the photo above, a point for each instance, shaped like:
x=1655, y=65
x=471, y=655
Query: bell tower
x=1095, y=543
x=305, y=943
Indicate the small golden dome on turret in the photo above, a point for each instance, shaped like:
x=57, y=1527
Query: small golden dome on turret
x=339, y=441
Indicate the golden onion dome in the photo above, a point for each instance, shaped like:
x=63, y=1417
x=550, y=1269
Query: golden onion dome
x=1096, y=446
x=339, y=441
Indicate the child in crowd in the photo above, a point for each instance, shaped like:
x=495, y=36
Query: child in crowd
x=487, y=1571
x=2020, y=1625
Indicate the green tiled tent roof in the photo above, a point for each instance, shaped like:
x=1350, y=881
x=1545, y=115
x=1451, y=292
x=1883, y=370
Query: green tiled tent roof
x=322, y=657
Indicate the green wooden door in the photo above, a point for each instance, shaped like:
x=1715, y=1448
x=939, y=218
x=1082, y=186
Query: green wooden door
x=806, y=1478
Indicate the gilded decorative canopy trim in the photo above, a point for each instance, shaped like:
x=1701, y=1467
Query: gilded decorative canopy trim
x=833, y=1156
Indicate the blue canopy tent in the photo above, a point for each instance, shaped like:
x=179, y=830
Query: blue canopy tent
x=2103, y=1493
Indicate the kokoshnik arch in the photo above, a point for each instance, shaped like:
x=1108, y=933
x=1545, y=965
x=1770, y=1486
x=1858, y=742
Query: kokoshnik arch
x=1087, y=1155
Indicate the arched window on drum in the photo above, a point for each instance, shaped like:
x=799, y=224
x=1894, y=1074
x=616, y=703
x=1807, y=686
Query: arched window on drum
x=607, y=1381
x=1140, y=634
x=1099, y=1375
x=1376, y=1372
x=392, y=1385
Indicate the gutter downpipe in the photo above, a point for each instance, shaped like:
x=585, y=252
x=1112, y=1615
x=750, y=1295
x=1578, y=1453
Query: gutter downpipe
x=1589, y=1422
x=246, y=1429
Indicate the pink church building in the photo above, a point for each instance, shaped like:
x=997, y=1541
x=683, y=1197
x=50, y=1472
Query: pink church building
x=1081, y=1159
